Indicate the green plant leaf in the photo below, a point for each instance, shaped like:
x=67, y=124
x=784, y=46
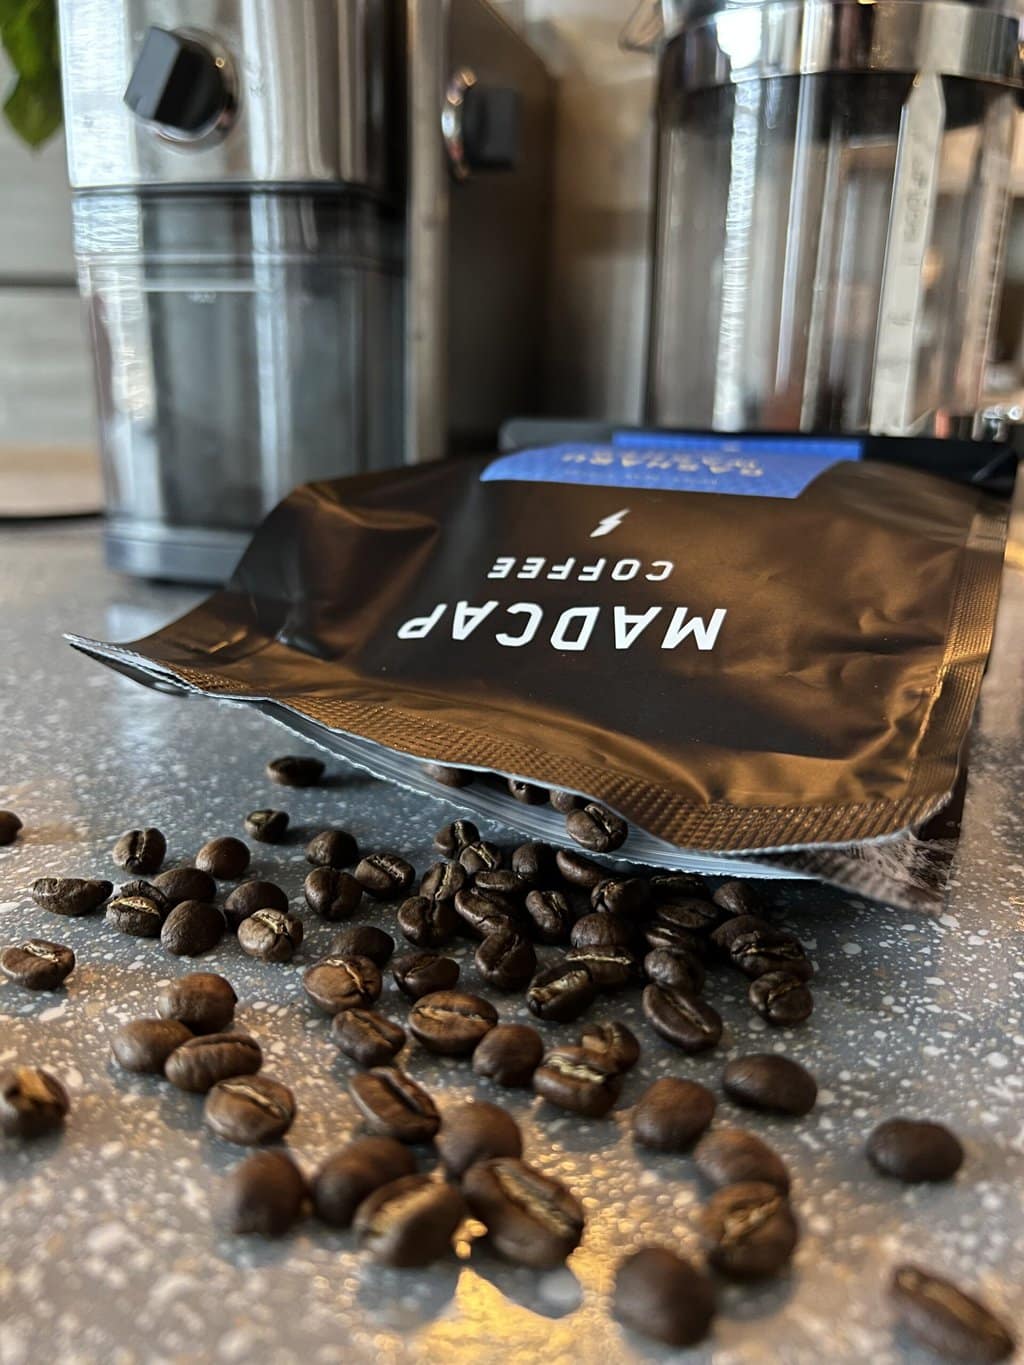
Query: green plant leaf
x=33, y=108
x=28, y=34
x=28, y=39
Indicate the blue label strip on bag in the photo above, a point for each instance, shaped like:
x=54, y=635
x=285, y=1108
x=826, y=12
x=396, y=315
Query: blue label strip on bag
x=754, y=466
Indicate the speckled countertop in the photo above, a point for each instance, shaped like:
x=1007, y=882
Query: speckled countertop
x=106, y=1249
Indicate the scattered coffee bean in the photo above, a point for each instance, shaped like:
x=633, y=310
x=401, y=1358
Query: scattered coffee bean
x=32, y=1102
x=509, y=1055
x=363, y=940
x=506, y=960
x=612, y=1043
x=551, y=915
x=748, y=1230
x=781, y=998
x=418, y=974
x=10, y=824
x=526, y=792
x=760, y=951
x=346, y=1178
x=427, y=923
x=442, y=881
x=451, y=1022
x=669, y=887
x=135, y=915
x=37, y=964
x=267, y=826
x=678, y=971
x=192, y=928
x=331, y=894
x=530, y=1218
x=476, y=1131
x=620, y=895
x=367, y=1037
x=225, y=858
x=249, y=1110
x=339, y=983
x=913, y=1150
x=597, y=828
x=534, y=864
x=504, y=881
x=677, y=930
x=602, y=931
x=394, y=1106
x=672, y=1114
x=561, y=992
x=738, y=898
x=262, y=1196
x=447, y=776
x=730, y=929
x=732, y=1156
x=384, y=876
x=203, y=1001
x=610, y=968
x=484, y=912
x=682, y=1018
x=452, y=839
x=409, y=1222
x=70, y=895
x=945, y=1319
x=564, y=802
x=692, y=914
x=579, y=871
x=185, y=884
x=270, y=935
x=140, y=851
x=773, y=1084
x=151, y=892
x=295, y=771
x=577, y=1079
x=332, y=848
x=200, y=1063
x=250, y=896
x=143, y=1045
x=663, y=1297
x=480, y=857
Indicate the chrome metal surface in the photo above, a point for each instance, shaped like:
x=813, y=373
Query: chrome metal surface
x=461, y=82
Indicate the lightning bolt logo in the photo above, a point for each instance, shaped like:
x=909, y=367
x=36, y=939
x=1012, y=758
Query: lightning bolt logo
x=605, y=527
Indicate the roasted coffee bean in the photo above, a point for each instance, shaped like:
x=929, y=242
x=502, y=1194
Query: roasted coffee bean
x=476, y=1131
x=409, y=1222
x=185, y=884
x=140, y=851
x=262, y=1196
x=249, y=1110
x=503, y=881
x=201, y=1062
x=596, y=828
x=602, y=931
x=270, y=935
x=781, y=998
x=677, y=930
x=143, y=1045
x=363, y=940
x=332, y=848
x=758, y=951
x=664, y=1297
x=748, y=1231
x=668, y=887
x=731, y=929
x=611, y=969
x=441, y=881
x=394, y=1106
x=331, y=894
x=484, y=912
x=682, y=1018
x=367, y=1037
x=384, y=876
x=10, y=824
x=612, y=1043
x=248, y=897
x=564, y=802
x=579, y=871
x=732, y=1156
x=451, y=1022
x=694, y=915
x=773, y=1084
x=418, y=974
x=679, y=971
x=339, y=983
x=138, y=887
x=620, y=896
x=945, y=1319
x=509, y=1055
x=527, y=793
x=577, y=1079
x=480, y=856
x=37, y=964
x=448, y=776
x=32, y=1102
x=295, y=771
x=267, y=826
x=506, y=960
x=452, y=839
x=534, y=864
x=346, y=1178
x=70, y=895
x=551, y=916
x=192, y=928
x=530, y=1218
x=427, y=923
x=738, y=898
x=225, y=858
x=561, y=992
x=914, y=1150
x=135, y=915
x=672, y=1114
x=203, y=1001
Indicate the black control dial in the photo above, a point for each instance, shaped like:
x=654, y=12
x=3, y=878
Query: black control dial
x=177, y=83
